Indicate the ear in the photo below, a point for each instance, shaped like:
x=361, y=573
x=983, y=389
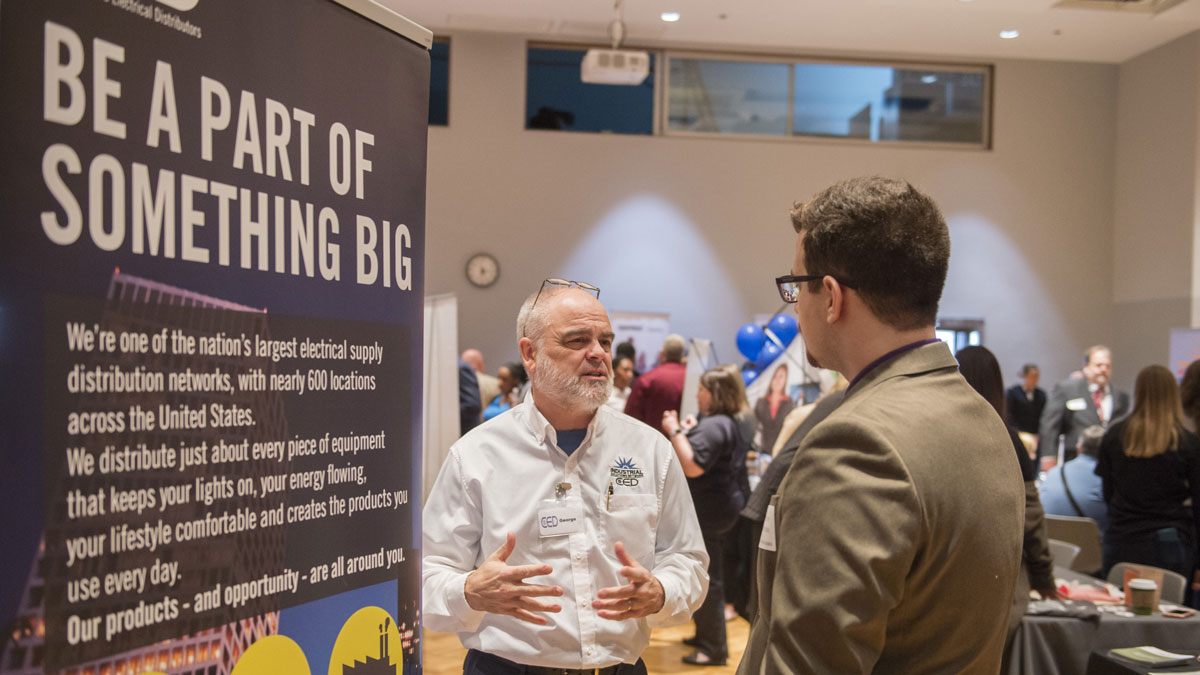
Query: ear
x=528, y=353
x=835, y=303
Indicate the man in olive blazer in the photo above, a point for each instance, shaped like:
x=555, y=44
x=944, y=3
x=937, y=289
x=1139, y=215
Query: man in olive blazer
x=894, y=542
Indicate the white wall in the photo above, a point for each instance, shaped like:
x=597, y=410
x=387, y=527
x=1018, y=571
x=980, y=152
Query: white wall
x=699, y=228
x=1154, y=229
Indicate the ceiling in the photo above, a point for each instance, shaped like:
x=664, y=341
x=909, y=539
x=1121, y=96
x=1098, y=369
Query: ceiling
x=943, y=28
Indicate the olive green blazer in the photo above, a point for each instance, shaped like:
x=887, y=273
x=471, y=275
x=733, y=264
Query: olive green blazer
x=898, y=532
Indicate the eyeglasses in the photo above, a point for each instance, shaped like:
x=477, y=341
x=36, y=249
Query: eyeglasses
x=789, y=285
x=565, y=283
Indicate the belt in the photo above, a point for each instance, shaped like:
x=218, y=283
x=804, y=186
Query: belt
x=512, y=667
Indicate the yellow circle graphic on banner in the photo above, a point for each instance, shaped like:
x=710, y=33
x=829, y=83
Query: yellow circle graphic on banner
x=369, y=642
x=273, y=655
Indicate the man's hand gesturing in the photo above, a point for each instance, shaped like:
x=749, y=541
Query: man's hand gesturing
x=642, y=596
x=499, y=588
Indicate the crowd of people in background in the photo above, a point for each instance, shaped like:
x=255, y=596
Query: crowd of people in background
x=912, y=441
x=1083, y=451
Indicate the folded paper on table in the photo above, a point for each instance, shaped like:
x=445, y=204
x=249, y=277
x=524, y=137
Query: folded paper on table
x=1153, y=655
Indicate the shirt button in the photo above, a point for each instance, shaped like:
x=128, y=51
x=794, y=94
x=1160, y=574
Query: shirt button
x=589, y=651
x=585, y=603
x=579, y=556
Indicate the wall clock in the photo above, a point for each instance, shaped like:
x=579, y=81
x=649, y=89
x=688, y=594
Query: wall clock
x=482, y=270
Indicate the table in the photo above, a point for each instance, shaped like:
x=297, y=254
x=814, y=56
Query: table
x=1052, y=645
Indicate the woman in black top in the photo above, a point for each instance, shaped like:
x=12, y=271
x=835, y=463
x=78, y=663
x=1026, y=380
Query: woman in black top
x=1150, y=466
x=981, y=370
x=712, y=453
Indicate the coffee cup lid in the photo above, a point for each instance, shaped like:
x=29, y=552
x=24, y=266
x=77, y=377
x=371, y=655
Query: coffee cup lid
x=1142, y=584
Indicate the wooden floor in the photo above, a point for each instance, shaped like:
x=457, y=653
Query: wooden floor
x=443, y=655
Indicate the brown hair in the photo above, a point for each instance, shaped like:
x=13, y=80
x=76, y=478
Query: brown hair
x=723, y=385
x=1153, y=426
x=883, y=237
x=739, y=384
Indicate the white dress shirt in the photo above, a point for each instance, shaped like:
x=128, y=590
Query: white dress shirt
x=1106, y=402
x=496, y=479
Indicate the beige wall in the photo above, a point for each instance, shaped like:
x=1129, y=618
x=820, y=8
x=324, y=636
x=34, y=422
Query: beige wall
x=1154, y=228
x=698, y=228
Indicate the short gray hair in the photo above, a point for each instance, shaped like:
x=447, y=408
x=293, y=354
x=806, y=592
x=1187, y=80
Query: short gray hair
x=1089, y=439
x=531, y=320
x=673, y=348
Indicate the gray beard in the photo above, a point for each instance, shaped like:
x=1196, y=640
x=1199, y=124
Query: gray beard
x=567, y=389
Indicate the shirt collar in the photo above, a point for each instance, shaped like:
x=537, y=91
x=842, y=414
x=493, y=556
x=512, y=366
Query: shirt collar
x=541, y=429
x=888, y=357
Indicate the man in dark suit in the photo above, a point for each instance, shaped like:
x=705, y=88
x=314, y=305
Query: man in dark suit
x=894, y=540
x=1026, y=401
x=1076, y=404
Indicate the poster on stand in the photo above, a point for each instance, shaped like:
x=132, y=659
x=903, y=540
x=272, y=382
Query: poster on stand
x=645, y=330
x=210, y=336
x=1184, y=348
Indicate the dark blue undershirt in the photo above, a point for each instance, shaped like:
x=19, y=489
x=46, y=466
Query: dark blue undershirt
x=570, y=439
x=888, y=357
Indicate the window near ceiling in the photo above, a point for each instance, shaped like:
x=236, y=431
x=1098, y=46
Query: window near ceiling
x=439, y=83
x=728, y=97
x=756, y=96
x=556, y=98
x=867, y=102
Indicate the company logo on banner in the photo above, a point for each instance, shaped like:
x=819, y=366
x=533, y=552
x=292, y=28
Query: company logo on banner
x=159, y=15
x=180, y=5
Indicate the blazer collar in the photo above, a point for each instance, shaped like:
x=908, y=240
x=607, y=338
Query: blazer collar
x=923, y=359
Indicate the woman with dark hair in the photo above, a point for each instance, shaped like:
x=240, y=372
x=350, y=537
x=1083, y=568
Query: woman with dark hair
x=1150, y=466
x=511, y=377
x=981, y=370
x=622, y=378
x=712, y=454
x=773, y=407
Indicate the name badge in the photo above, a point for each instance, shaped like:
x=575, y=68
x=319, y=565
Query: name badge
x=557, y=518
x=767, y=541
x=1076, y=404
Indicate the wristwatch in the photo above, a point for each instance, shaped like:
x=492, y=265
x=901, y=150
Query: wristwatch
x=677, y=430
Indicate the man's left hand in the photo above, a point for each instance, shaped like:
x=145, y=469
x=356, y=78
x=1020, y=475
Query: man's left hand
x=642, y=596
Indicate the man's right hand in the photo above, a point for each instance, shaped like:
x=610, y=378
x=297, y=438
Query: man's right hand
x=499, y=588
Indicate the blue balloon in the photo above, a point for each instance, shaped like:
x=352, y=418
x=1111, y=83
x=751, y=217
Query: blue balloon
x=749, y=375
x=769, y=353
x=784, y=327
x=750, y=340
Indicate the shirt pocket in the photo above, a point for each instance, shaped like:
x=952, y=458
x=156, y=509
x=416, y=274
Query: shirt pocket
x=633, y=520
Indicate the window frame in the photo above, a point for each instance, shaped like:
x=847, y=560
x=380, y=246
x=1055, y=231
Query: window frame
x=441, y=39
x=662, y=94
x=656, y=75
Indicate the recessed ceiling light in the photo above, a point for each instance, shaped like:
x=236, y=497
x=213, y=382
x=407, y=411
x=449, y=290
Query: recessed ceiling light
x=670, y=17
x=929, y=79
x=1009, y=34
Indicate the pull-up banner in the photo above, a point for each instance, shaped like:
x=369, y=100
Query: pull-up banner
x=211, y=285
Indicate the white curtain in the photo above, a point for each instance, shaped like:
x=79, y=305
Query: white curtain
x=440, y=421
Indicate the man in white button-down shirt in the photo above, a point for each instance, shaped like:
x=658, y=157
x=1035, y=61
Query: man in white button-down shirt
x=558, y=533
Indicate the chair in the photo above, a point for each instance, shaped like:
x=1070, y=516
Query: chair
x=1063, y=553
x=1173, y=583
x=1084, y=533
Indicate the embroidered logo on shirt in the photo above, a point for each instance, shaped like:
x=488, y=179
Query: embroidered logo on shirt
x=626, y=472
